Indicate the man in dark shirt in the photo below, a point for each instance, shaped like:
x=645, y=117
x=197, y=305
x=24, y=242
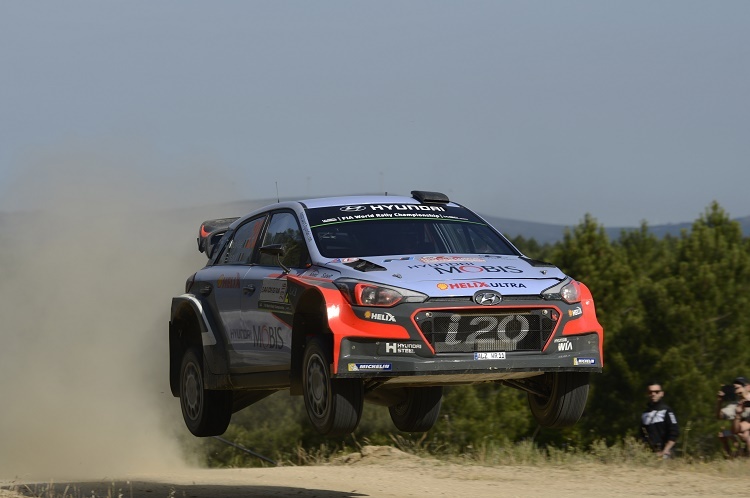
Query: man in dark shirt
x=658, y=423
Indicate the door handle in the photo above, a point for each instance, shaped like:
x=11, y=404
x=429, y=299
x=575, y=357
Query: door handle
x=248, y=289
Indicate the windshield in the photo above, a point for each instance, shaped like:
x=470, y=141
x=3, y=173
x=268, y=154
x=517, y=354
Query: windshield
x=384, y=230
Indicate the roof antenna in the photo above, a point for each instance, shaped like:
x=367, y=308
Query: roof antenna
x=277, y=192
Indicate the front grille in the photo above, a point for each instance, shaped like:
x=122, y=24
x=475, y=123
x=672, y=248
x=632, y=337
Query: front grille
x=503, y=330
x=469, y=299
x=459, y=299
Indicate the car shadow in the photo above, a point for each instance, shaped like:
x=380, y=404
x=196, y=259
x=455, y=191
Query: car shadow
x=144, y=489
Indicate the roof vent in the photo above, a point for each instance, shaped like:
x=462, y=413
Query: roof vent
x=430, y=197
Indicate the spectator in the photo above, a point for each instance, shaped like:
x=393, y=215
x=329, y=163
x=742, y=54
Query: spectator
x=726, y=404
x=658, y=423
x=741, y=421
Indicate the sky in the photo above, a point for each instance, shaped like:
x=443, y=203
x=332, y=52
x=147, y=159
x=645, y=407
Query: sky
x=537, y=111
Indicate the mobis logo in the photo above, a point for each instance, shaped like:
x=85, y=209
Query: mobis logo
x=473, y=269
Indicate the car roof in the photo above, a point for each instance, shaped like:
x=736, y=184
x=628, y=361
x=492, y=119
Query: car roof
x=322, y=202
x=360, y=199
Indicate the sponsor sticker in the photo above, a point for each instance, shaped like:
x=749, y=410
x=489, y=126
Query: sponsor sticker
x=273, y=296
x=228, y=282
x=575, y=311
x=499, y=355
x=399, y=347
x=452, y=267
x=261, y=336
x=480, y=284
x=405, y=207
x=359, y=367
x=451, y=259
x=565, y=346
x=344, y=260
x=584, y=361
x=380, y=317
x=305, y=229
x=273, y=290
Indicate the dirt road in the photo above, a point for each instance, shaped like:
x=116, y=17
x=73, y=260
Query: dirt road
x=386, y=472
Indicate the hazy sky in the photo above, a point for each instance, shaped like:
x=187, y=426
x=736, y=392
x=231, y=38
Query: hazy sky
x=533, y=110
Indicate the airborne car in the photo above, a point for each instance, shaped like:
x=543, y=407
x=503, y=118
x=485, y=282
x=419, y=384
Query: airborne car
x=382, y=299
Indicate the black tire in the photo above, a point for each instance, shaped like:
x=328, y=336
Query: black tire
x=334, y=406
x=420, y=411
x=566, y=401
x=206, y=412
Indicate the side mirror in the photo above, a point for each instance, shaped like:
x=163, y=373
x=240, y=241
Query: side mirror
x=273, y=250
x=278, y=251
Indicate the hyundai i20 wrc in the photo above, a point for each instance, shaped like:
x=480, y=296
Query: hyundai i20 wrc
x=381, y=299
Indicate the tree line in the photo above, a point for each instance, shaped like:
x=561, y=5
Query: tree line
x=674, y=311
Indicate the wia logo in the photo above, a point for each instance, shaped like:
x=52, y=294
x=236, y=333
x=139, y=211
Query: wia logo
x=565, y=346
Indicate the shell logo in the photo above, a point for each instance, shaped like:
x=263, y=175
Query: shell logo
x=367, y=314
x=442, y=286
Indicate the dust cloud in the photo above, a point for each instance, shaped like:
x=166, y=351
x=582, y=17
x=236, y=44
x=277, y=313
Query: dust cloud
x=87, y=273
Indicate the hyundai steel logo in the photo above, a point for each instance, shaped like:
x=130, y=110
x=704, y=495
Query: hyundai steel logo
x=487, y=298
x=352, y=209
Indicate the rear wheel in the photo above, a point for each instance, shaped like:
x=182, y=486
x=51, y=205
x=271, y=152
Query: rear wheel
x=566, y=401
x=334, y=406
x=206, y=412
x=420, y=410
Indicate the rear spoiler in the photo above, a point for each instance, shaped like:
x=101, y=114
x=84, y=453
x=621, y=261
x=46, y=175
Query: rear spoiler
x=211, y=232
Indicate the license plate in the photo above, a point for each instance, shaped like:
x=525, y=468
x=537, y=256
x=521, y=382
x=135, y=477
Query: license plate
x=490, y=356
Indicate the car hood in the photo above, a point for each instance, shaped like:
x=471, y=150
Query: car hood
x=452, y=275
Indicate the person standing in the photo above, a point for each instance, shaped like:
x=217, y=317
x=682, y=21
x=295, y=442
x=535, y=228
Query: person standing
x=659, y=427
x=733, y=395
x=741, y=422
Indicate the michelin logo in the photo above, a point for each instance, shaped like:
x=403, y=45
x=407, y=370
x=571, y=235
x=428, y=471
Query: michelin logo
x=359, y=367
x=584, y=361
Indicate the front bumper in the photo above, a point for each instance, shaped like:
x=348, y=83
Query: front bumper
x=409, y=362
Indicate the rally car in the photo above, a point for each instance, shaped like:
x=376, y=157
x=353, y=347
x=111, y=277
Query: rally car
x=384, y=299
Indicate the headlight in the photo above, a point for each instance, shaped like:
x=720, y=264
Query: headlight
x=371, y=294
x=571, y=293
x=568, y=290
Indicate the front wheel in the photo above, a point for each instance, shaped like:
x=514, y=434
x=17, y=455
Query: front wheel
x=565, y=402
x=420, y=410
x=206, y=412
x=334, y=406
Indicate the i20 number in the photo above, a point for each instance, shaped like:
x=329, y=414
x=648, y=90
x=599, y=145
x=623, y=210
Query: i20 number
x=491, y=331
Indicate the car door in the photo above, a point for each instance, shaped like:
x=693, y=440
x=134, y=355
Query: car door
x=266, y=311
x=229, y=274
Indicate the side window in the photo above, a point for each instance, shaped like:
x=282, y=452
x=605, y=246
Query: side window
x=285, y=230
x=240, y=249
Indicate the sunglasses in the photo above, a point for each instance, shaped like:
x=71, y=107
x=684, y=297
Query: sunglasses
x=654, y=392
